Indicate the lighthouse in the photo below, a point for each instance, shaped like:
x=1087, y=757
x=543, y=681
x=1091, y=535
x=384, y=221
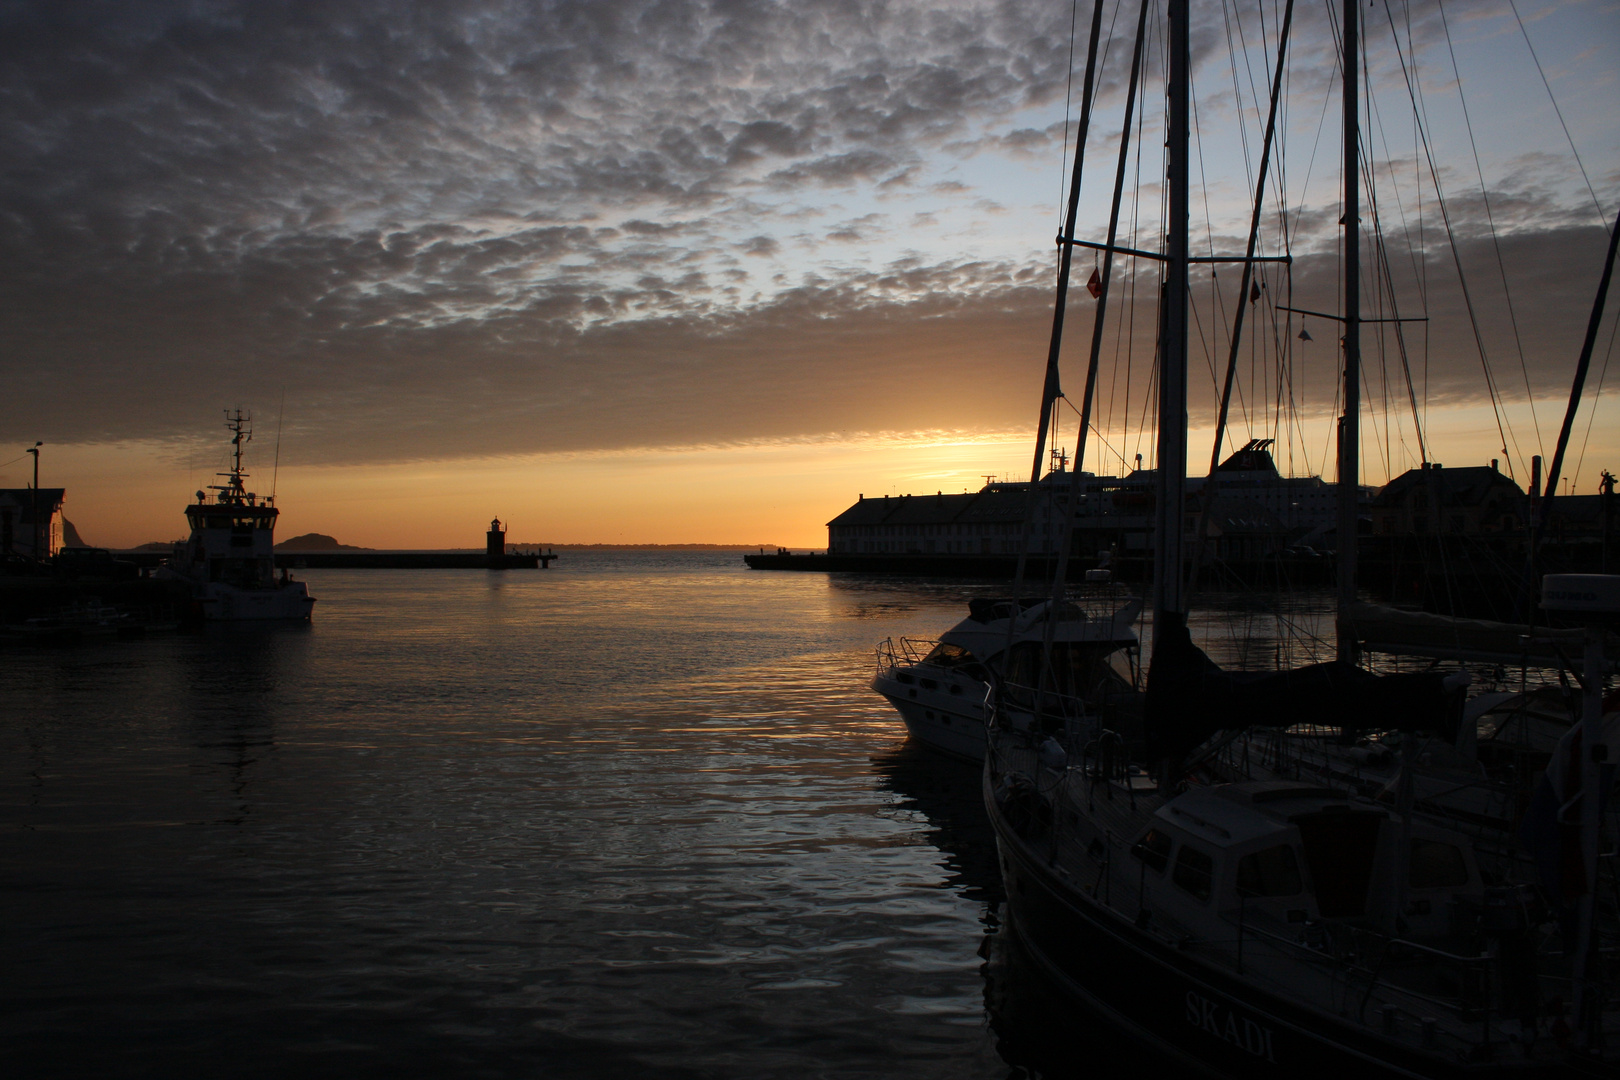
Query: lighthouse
x=495, y=540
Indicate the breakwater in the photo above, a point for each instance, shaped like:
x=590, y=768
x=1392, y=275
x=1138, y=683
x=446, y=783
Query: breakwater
x=410, y=560
x=377, y=560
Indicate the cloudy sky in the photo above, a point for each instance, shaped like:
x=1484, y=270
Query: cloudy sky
x=674, y=271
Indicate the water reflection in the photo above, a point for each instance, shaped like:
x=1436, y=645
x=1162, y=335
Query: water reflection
x=231, y=697
x=1043, y=1033
x=631, y=816
x=946, y=792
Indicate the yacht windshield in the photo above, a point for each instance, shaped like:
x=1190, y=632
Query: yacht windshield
x=947, y=655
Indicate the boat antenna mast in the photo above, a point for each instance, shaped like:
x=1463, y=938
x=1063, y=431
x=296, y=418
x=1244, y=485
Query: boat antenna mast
x=240, y=425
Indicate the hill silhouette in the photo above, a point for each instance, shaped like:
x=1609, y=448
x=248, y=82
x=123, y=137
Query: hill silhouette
x=315, y=542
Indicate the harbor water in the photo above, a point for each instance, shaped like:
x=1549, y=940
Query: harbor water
x=636, y=815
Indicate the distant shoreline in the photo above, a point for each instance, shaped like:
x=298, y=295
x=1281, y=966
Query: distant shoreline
x=653, y=547
x=524, y=545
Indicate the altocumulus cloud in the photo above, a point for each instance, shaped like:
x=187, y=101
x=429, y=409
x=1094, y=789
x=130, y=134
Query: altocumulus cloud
x=472, y=227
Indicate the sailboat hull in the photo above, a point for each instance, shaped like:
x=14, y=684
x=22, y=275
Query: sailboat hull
x=1183, y=1007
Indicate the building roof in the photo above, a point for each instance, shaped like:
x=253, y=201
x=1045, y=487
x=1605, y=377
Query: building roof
x=995, y=503
x=1468, y=486
x=50, y=500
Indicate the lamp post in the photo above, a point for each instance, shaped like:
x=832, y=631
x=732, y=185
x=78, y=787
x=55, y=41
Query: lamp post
x=34, y=508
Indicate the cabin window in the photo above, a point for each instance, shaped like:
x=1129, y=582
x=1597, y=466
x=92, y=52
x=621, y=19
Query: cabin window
x=1194, y=871
x=1437, y=866
x=1154, y=850
x=1272, y=872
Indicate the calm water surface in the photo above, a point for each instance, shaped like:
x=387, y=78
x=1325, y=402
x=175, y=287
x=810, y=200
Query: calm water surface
x=637, y=815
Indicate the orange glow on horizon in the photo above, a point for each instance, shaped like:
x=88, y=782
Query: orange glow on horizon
x=778, y=493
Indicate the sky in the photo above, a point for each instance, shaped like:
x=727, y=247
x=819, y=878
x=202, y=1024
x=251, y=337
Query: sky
x=654, y=271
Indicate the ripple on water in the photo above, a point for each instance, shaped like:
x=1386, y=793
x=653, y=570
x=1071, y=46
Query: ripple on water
x=619, y=819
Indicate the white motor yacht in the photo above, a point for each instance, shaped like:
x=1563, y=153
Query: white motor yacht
x=939, y=687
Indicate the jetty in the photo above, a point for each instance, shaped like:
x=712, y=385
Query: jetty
x=495, y=556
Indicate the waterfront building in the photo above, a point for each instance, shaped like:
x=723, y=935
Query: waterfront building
x=1463, y=502
x=19, y=534
x=1255, y=511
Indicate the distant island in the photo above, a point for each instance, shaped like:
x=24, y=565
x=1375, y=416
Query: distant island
x=316, y=542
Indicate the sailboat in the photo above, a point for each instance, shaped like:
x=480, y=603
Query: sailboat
x=1280, y=926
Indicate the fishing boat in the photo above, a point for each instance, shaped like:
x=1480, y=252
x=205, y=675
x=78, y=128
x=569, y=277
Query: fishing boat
x=1293, y=925
x=229, y=558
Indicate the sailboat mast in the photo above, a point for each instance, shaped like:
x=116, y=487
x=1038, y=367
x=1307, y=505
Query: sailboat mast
x=1350, y=421
x=1053, y=388
x=1169, y=600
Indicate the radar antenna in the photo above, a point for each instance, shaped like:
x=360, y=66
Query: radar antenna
x=240, y=426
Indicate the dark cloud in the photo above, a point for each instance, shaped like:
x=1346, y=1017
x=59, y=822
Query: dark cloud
x=477, y=226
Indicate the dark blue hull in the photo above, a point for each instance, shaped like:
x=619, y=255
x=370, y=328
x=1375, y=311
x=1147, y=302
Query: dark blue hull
x=1202, y=1014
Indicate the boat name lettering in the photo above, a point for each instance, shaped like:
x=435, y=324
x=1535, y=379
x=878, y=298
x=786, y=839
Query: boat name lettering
x=1225, y=1024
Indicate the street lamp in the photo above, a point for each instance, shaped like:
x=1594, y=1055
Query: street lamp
x=34, y=509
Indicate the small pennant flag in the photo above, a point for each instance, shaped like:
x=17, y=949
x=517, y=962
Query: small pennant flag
x=1094, y=286
x=1304, y=335
x=1254, y=292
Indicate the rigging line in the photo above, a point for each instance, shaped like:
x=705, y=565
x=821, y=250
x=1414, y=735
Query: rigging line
x=1254, y=237
x=1581, y=367
x=1504, y=429
x=1102, y=439
x=1248, y=55
x=1136, y=228
x=1381, y=263
x=1603, y=217
x=1310, y=164
x=281, y=415
x=1596, y=394
x=1417, y=175
x=1237, y=94
x=1400, y=207
x=1107, y=51
x=1097, y=324
x=1218, y=301
x=1490, y=219
x=1068, y=102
